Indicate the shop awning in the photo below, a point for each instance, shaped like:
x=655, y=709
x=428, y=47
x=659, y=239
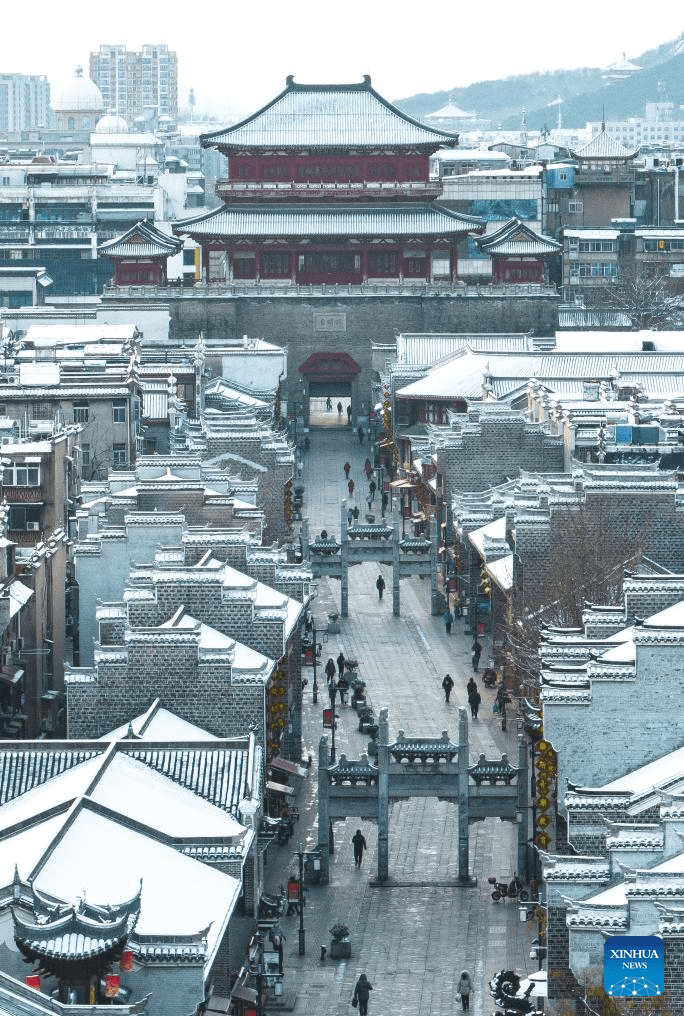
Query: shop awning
x=397, y=484
x=279, y=788
x=285, y=766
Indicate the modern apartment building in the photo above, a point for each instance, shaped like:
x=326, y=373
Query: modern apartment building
x=135, y=85
x=24, y=102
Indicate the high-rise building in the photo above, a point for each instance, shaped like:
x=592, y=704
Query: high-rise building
x=136, y=85
x=24, y=102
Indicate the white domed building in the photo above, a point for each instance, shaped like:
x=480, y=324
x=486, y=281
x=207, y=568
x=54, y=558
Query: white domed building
x=77, y=104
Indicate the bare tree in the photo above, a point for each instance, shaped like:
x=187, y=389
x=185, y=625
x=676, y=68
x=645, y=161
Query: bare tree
x=588, y=555
x=646, y=293
x=594, y=1001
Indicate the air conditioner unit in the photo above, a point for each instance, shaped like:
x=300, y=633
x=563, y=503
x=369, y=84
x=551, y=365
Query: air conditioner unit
x=33, y=527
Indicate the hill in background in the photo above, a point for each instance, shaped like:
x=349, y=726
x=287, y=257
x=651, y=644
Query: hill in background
x=585, y=93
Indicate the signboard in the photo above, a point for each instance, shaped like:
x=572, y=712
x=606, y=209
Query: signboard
x=293, y=892
x=327, y=718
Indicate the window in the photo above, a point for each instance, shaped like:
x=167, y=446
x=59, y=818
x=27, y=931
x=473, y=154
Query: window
x=575, y=207
x=81, y=412
x=382, y=264
x=119, y=411
x=275, y=266
x=21, y=475
x=119, y=456
x=85, y=456
x=24, y=519
x=441, y=267
x=597, y=245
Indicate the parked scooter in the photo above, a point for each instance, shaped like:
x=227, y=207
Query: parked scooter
x=508, y=890
x=271, y=906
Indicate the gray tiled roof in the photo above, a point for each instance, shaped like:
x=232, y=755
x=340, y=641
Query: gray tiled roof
x=327, y=220
x=328, y=116
x=515, y=237
x=141, y=240
x=603, y=146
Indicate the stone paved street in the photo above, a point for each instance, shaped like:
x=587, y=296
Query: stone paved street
x=414, y=937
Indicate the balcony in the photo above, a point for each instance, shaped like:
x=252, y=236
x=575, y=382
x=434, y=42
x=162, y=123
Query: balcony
x=288, y=190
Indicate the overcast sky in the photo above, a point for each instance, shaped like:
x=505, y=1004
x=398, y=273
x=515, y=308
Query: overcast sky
x=236, y=54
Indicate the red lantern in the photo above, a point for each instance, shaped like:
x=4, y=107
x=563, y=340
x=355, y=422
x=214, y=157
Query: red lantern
x=33, y=981
x=126, y=960
x=111, y=985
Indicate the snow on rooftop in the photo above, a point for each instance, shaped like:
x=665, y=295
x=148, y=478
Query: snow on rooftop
x=164, y=726
x=106, y=860
x=615, y=896
x=60, y=790
x=623, y=653
x=134, y=790
x=25, y=848
x=671, y=617
x=660, y=772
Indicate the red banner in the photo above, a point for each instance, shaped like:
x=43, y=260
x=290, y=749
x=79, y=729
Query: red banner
x=292, y=892
x=126, y=961
x=33, y=981
x=111, y=985
x=327, y=718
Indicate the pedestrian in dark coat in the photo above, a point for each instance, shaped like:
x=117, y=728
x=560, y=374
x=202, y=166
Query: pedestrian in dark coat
x=349, y=415
x=350, y=487
x=474, y=699
x=340, y=663
x=359, y=841
x=356, y=512
x=471, y=687
x=447, y=684
x=367, y=468
x=361, y=993
x=476, y=654
x=339, y=409
x=346, y=468
x=360, y=433
x=332, y=692
x=380, y=586
x=464, y=988
x=385, y=502
x=330, y=669
x=448, y=619
x=343, y=688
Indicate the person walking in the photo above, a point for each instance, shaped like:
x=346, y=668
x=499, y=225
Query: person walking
x=332, y=692
x=385, y=502
x=343, y=688
x=339, y=409
x=464, y=988
x=328, y=404
x=356, y=512
x=476, y=653
x=361, y=994
x=349, y=415
x=500, y=702
x=372, y=487
x=350, y=487
x=474, y=699
x=447, y=684
x=330, y=669
x=448, y=619
x=347, y=469
x=380, y=586
x=368, y=469
x=340, y=663
x=359, y=842
x=360, y=433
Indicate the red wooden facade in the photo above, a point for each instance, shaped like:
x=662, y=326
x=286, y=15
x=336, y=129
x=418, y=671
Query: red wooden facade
x=329, y=184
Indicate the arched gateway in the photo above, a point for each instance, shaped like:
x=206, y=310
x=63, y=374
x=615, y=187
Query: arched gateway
x=422, y=767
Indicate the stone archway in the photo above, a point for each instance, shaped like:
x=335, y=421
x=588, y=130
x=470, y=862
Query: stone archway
x=422, y=767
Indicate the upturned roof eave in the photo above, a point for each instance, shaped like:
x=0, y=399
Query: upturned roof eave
x=217, y=139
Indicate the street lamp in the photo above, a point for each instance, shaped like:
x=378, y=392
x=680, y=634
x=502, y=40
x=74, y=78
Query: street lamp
x=315, y=653
x=302, y=941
